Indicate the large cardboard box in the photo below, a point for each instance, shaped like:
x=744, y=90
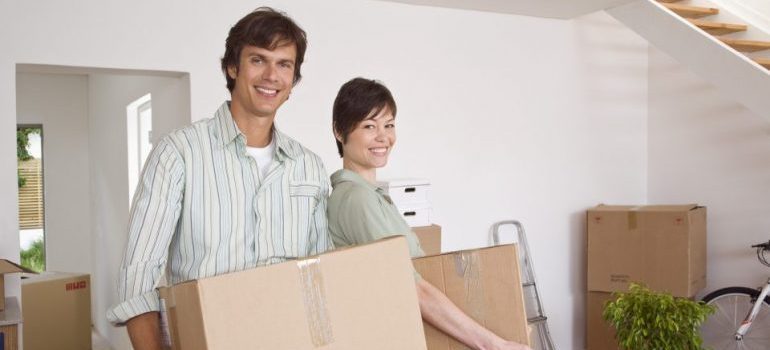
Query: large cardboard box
x=56, y=308
x=6, y=267
x=355, y=298
x=486, y=284
x=430, y=238
x=662, y=246
x=599, y=334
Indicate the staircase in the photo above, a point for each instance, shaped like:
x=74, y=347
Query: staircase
x=719, y=50
x=694, y=14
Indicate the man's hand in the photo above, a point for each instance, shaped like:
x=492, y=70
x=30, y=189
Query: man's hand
x=144, y=331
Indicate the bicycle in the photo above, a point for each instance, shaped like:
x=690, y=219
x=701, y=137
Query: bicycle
x=742, y=317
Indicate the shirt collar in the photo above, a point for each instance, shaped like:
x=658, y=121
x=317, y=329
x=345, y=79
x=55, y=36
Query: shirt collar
x=345, y=175
x=229, y=132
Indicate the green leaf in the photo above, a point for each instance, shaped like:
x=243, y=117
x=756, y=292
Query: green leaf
x=646, y=319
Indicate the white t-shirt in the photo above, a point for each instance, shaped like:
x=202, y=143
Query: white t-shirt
x=264, y=156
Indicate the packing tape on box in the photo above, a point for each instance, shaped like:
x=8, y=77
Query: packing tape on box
x=166, y=299
x=165, y=333
x=632, y=218
x=314, y=297
x=468, y=266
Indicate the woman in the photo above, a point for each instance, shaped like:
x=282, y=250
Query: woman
x=359, y=212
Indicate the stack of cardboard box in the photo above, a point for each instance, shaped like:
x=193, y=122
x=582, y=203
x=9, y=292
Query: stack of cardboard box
x=411, y=197
x=661, y=246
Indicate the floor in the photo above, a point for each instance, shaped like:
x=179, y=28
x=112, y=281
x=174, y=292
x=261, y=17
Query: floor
x=98, y=343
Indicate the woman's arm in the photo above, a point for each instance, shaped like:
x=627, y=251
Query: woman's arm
x=440, y=312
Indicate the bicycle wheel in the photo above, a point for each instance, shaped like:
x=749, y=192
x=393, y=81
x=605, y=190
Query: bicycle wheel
x=732, y=305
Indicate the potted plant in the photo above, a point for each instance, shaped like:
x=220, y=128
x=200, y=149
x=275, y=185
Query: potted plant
x=648, y=320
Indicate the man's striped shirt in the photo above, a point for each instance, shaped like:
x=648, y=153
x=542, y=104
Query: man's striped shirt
x=202, y=209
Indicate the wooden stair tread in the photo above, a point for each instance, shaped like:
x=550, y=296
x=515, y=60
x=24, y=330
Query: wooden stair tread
x=687, y=11
x=746, y=45
x=765, y=62
x=718, y=28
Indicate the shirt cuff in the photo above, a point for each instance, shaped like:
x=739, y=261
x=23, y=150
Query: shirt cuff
x=133, y=307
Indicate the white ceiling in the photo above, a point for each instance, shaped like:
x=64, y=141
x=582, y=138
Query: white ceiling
x=562, y=9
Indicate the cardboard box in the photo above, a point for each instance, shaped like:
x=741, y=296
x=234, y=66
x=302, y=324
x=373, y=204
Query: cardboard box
x=599, y=334
x=6, y=267
x=10, y=318
x=56, y=308
x=486, y=284
x=662, y=246
x=406, y=191
x=355, y=298
x=430, y=238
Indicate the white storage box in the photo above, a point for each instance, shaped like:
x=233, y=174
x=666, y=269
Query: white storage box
x=416, y=215
x=406, y=192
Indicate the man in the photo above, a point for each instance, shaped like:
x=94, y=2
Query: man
x=227, y=193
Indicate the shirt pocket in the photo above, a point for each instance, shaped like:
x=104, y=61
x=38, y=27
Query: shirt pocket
x=304, y=189
x=303, y=197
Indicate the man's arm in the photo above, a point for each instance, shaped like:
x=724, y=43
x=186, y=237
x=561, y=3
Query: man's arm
x=152, y=222
x=144, y=331
x=439, y=311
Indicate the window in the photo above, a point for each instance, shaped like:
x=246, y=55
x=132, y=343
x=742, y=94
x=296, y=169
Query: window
x=139, y=136
x=29, y=154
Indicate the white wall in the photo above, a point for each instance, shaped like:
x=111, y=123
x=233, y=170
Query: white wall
x=84, y=118
x=508, y=116
x=60, y=104
x=708, y=149
x=109, y=94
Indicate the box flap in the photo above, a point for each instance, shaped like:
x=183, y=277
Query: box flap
x=673, y=207
x=27, y=278
x=6, y=266
x=667, y=207
x=605, y=207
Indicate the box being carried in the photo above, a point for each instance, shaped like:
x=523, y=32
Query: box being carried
x=485, y=284
x=662, y=246
x=356, y=298
x=430, y=238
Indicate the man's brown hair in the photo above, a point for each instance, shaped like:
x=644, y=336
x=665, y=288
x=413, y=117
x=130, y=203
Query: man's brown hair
x=265, y=28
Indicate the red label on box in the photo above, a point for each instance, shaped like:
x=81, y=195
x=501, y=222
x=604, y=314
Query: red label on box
x=76, y=285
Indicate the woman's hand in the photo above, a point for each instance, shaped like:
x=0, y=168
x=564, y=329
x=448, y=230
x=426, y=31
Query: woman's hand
x=509, y=345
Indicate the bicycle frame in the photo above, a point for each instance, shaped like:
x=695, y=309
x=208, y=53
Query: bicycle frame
x=746, y=324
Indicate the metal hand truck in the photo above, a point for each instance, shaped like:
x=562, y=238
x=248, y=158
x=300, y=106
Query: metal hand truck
x=535, y=313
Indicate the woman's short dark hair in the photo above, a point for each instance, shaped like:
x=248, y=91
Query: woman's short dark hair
x=265, y=28
x=358, y=100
